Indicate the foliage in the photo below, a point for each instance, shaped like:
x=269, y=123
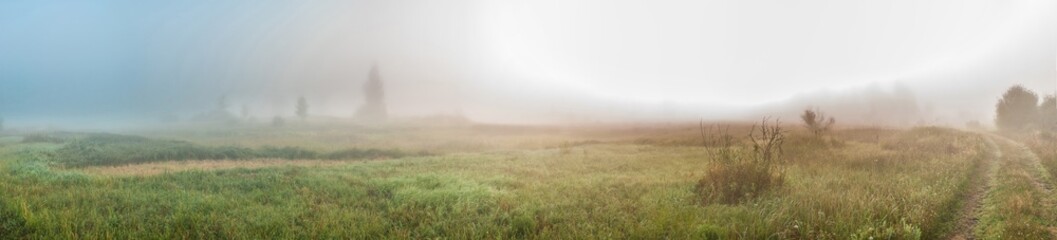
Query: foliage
x=1048, y=113
x=222, y=104
x=816, y=122
x=302, y=108
x=278, y=121
x=767, y=140
x=245, y=111
x=374, y=106
x=719, y=144
x=737, y=182
x=736, y=179
x=1017, y=110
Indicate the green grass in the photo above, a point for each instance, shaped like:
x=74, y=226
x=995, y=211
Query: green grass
x=1020, y=206
x=1045, y=147
x=112, y=149
x=897, y=184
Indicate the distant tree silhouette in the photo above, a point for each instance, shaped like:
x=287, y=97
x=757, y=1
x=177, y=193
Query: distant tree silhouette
x=1048, y=113
x=219, y=113
x=1017, y=110
x=1, y=123
x=815, y=121
x=302, y=108
x=374, y=108
x=245, y=111
x=278, y=121
x=222, y=103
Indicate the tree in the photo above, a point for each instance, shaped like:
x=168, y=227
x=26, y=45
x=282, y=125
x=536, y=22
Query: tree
x=1, y=123
x=1048, y=113
x=373, y=108
x=245, y=111
x=278, y=121
x=302, y=108
x=222, y=103
x=218, y=113
x=1017, y=110
x=815, y=121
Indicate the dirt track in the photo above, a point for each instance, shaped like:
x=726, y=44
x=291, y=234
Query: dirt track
x=974, y=200
x=1004, y=153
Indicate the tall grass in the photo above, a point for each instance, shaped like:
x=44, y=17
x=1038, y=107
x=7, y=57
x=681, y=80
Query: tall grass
x=1022, y=205
x=1044, y=145
x=737, y=177
x=897, y=186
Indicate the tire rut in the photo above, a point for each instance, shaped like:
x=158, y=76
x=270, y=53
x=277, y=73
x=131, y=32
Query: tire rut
x=980, y=183
x=1040, y=178
x=1021, y=156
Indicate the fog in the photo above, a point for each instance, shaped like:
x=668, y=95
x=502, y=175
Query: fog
x=105, y=64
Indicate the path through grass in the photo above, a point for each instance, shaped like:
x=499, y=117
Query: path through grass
x=1021, y=203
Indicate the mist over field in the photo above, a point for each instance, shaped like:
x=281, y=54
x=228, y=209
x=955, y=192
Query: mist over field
x=547, y=119
x=109, y=64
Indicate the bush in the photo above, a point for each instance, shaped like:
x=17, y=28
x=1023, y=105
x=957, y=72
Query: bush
x=734, y=178
x=735, y=183
x=816, y=122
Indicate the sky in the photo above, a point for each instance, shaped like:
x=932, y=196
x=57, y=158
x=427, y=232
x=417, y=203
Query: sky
x=101, y=62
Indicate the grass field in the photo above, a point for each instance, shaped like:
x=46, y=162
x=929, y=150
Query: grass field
x=478, y=181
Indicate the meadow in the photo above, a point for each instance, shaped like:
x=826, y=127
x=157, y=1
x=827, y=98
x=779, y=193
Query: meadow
x=469, y=181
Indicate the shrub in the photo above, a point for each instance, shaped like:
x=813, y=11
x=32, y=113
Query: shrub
x=767, y=141
x=734, y=179
x=738, y=182
x=816, y=122
x=720, y=145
